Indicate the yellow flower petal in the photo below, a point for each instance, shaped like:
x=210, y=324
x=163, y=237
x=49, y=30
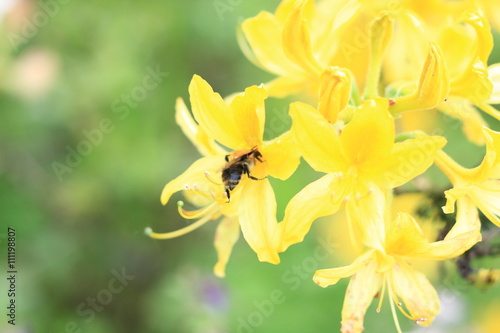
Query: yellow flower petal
x=369, y=137
x=473, y=82
x=205, y=145
x=257, y=215
x=486, y=197
x=226, y=235
x=452, y=195
x=264, y=36
x=463, y=235
x=416, y=292
x=296, y=40
x=492, y=160
x=281, y=155
x=195, y=174
x=407, y=160
x=313, y=201
x=213, y=114
x=467, y=218
x=433, y=85
x=362, y=288
x=317, y=139
x=284, y=86
x=327, y=277
x=494, y=75
x=405, y=236
x=249, y=115
x=365, y=210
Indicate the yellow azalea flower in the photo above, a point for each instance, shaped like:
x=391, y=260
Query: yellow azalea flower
x=387, y=267
x=357, y=159
x=478, y=187
x=466, y=42
x=237, y=125
x=299, y=41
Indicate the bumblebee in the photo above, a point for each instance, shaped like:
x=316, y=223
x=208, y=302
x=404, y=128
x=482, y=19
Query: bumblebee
x=238, y=163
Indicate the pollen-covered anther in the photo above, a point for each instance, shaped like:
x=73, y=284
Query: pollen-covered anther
x=187, y=187
x=420, y=320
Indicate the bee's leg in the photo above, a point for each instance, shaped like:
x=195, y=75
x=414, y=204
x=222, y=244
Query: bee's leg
x=255, y=178
x=228, y=196
x=258, y=156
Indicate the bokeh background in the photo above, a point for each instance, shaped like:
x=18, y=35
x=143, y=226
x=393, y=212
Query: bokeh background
x=87, y=142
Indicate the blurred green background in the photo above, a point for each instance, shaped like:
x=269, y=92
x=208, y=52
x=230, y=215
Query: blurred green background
x=87, y=142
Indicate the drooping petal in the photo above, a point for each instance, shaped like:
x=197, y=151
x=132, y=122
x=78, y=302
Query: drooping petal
x=317, y=139
x=205, y=145
x=195, y=174
x=362, y=288
x=416, y=292
x=452, y=195
x=467, y=219
x=249, y=114
x=327, y=277
x=226, y=235
x=312, y=202
x=369, y=137
x=282, y=156
x=407, y=160
x=464, y=234
x=257, y=215
x=214, y=115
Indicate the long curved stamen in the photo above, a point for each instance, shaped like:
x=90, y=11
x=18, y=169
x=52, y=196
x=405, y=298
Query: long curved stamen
x=393, y=310
x=399, y=304
x=180, y=232
x=384, y=284
x=210, y=195
x=194, y=214
x=209, y=177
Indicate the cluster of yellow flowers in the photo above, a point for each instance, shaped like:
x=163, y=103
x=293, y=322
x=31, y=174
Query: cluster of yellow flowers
x=362, y=64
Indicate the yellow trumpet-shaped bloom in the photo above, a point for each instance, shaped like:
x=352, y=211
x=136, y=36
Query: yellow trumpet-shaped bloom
x=357, y=159
x=237, y=125
x=386, y=268
x=478, y=187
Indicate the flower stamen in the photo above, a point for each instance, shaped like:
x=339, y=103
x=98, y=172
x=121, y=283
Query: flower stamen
x=209, y=177
x=394, y=314
x=195, y=214
x=180, y=232
x=379, y=306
